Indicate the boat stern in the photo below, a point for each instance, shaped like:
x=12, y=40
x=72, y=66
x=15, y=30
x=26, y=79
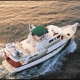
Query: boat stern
x=8, y=67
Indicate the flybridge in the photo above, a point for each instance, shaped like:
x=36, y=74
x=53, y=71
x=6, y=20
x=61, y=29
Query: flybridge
x=39, y=31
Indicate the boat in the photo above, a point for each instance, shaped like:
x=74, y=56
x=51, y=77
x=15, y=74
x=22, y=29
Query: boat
x=41, y=44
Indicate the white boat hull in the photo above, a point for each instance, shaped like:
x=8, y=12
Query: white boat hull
x=51, y=52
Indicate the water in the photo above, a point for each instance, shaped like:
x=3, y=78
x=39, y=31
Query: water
x=14, y=17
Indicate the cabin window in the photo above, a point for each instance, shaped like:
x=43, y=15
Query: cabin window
x=51, y=40
x=58, y=36
x=31, y=56
x=36, y=55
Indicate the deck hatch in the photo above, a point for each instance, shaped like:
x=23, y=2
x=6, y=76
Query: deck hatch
x=68, y=34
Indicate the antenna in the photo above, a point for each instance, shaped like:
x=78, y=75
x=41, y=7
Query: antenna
x=29, y=27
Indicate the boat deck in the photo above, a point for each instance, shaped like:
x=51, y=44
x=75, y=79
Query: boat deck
x=28, y=48
x=68, y=32
x=9, y=67
x=53, y=30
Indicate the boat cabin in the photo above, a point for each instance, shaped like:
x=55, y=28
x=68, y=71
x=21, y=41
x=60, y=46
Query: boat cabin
x=35, y=46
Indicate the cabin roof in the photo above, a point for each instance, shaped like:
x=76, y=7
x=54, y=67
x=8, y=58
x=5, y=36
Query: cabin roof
x=39, y=30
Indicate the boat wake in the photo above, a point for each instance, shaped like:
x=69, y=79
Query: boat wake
x=50, y=66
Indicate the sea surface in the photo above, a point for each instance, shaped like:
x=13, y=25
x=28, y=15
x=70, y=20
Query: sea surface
x=15, y=16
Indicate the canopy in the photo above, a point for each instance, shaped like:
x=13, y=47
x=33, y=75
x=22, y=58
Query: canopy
x=39, y=30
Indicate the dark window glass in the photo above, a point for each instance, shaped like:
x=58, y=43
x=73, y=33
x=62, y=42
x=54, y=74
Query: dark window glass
x=51, y=40
x=36, y=55
x=31, y=56
x=58, y=36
